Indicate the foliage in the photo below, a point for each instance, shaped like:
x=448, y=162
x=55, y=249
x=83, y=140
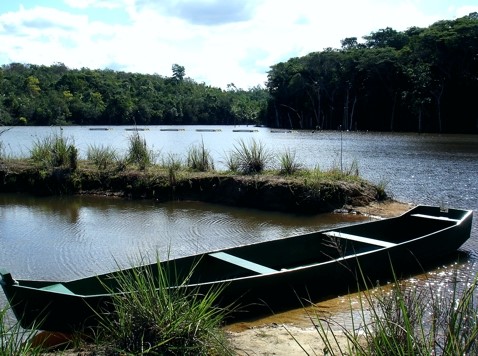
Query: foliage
x=151, y=318
x=102, y=157
x=199, y=158
x=56, y=95
x=14, y=340
x=55, y=151
x=409, y=320
x=252, y=158
x=422, y=79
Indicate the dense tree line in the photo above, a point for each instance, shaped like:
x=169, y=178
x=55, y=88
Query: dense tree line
x=422, y=79
x=57, y=95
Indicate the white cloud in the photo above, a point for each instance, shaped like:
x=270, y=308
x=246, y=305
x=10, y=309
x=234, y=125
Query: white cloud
x=104, y=4
x=218, y=43
x=203, y=12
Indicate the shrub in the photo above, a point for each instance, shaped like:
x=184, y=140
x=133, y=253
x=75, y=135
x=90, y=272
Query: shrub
x=200, y=159
x=101, y=156
x=151, y=318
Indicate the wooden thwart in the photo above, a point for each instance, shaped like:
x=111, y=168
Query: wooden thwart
x=58, y=288
x=359, y=239
x=444, y=218
x=242, y=263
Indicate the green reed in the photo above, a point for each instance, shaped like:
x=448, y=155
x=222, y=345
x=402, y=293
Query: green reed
x=152, y=318
x=408, y=320
x=102, y=157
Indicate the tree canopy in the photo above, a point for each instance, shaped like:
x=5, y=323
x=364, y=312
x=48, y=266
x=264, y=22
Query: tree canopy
x=57, y=95
x=422, y=79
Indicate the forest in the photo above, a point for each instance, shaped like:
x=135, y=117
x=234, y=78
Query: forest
x=56, y=95
x=419, y=80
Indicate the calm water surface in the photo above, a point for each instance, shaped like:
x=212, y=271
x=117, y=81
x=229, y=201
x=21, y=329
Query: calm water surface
x=68, y=237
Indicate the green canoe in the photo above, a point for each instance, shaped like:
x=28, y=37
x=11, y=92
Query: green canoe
x=273, y=274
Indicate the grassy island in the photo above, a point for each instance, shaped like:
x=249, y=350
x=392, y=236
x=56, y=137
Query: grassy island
x=54, y=168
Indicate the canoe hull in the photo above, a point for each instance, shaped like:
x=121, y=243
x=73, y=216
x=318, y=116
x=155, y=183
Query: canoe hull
x=267, y=276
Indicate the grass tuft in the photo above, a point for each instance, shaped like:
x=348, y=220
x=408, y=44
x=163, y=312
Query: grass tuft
x=200, y=159
x=54, y=151
x=408, y=320
x=288, y=163
x=14, y=340
x=138, y=152
x=231, y=161
x=101, y=156
x=151, y=318
x=252, y=158
x=173, y=165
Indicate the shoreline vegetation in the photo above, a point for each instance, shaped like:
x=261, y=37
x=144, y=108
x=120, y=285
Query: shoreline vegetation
x=254, y=179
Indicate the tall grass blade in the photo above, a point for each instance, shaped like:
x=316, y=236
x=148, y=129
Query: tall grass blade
x=156, y=313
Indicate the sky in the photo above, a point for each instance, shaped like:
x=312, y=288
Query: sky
x=219, y=42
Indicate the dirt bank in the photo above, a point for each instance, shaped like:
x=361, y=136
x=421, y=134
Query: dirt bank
x=306, y=194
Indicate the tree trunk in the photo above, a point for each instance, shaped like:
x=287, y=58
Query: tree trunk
x=438, y=96
x=392, y=118
x=352, y=114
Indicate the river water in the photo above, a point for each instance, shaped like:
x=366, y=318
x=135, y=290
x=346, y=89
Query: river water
x=69, y=237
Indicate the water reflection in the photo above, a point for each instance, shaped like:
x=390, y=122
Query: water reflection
x=68, y=237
